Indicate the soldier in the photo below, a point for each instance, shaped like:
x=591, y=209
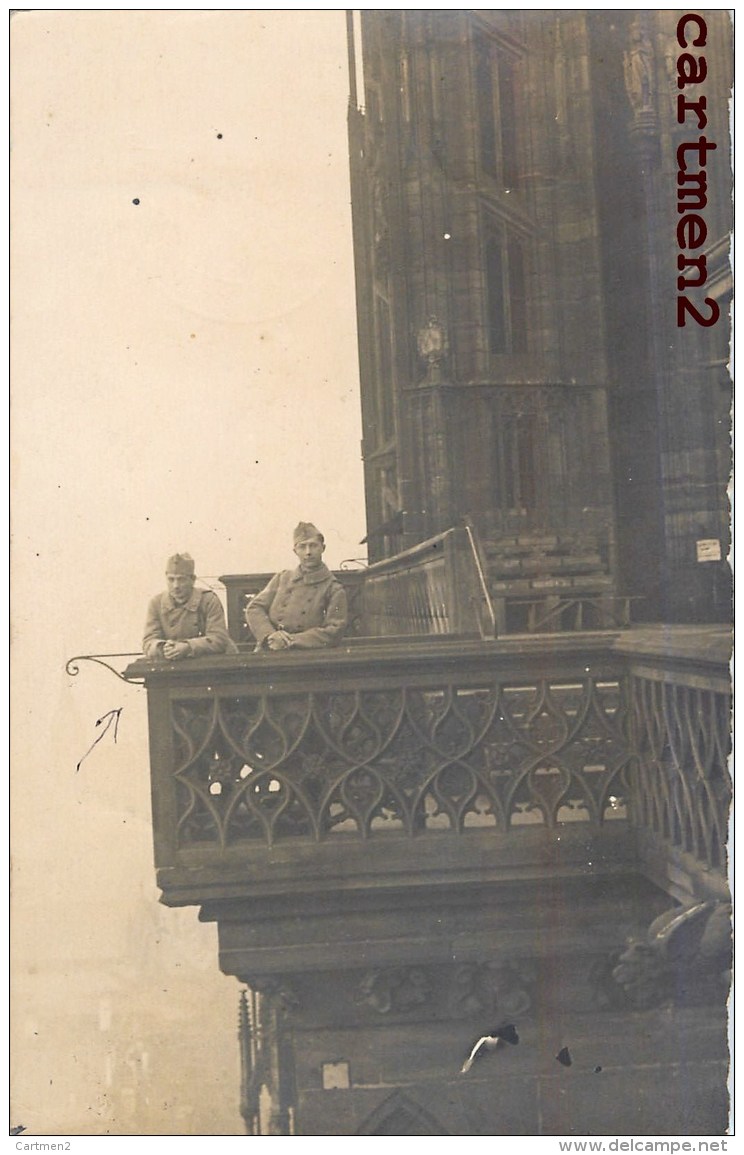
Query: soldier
x=304, y=608
x=185, y=622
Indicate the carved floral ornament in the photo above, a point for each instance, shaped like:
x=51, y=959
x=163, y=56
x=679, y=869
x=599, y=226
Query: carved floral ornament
x=394, y=990
x=470, y=989
x=496, y=989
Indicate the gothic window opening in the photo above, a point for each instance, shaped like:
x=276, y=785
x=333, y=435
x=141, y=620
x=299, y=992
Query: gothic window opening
x=505, y=293
x=517, y=301
x=401, y=1115
x=391, y=516
x=517, y=465
x=497, y=82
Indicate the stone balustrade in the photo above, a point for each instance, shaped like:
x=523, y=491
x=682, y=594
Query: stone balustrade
x=440, y=754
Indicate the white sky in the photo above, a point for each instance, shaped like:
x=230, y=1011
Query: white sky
x=184, y=377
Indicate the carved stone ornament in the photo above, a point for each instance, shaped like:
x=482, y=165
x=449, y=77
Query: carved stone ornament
x=495, y=989
x=639, y=64
x=394, y=990
x=685, y=958
x=431, y=342
x=281, y=994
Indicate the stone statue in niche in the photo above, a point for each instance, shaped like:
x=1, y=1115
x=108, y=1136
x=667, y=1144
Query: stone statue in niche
x=638, y=65
x=431, y=342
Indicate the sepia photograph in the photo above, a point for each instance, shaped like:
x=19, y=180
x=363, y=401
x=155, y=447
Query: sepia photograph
x=371, y=592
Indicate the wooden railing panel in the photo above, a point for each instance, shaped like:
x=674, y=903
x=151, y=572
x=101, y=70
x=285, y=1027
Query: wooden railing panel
x=436, y=588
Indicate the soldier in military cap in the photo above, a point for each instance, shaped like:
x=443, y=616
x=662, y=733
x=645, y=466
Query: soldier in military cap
x=185, y=622
x=303, y=608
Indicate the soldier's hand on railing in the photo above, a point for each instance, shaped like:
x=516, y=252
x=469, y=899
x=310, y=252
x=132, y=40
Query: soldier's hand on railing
x=279, y=640
x=173, y=651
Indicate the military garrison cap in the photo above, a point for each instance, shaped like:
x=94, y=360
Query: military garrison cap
x=181, y=563
x=305, y=530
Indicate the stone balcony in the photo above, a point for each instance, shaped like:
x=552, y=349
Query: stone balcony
x=394, y=762
x=404, y=841
x=430, y=832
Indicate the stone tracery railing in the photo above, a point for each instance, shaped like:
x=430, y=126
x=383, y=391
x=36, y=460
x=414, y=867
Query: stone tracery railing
x=682, y=790
x=521, y=749
x=408, y=759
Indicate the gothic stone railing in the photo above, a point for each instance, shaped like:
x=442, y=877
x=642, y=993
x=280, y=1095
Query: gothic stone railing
x=679, y=693
x=451, y=755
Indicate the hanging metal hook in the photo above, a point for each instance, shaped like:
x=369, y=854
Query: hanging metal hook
x=72, y=668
